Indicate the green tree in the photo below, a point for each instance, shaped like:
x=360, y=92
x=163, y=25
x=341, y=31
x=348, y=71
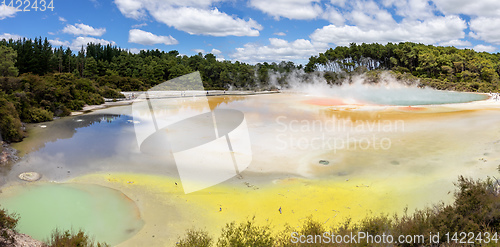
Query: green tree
x=7, y=61
x=91, y=68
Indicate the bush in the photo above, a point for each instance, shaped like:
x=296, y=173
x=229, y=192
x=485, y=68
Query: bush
x=37, y=115
x=10, y=123
x=7, y=224
x=76, y=105
x=197, y=238
x=245, y=234
x=111, y=93
x=70, y=239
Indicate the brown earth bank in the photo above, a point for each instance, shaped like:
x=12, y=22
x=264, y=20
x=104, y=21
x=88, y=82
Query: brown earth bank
x=7, y=154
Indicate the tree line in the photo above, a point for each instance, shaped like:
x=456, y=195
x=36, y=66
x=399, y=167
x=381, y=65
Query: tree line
x=151, y=67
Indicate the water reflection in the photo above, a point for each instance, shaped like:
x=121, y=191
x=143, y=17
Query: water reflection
x=74, y=146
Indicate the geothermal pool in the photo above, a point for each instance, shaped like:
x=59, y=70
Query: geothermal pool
x=101, y=212
x=312, y=153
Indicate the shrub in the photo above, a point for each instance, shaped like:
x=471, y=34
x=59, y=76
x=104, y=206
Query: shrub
x=10, y=123
x=197, y=238
x=7, y=224
x=37, y=115
x=71, y=239
x=245, y=234
x=111, y=93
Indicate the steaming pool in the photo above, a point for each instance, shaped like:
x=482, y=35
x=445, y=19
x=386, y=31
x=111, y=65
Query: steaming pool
x=329, y=155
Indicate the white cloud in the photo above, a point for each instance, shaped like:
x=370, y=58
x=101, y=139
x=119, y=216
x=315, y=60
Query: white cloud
x=139, y=25
x=456, y=43
x=413, y=9
x=207, y=22
x=216, y=52
x=339, y=3
x=132, y=8
x=278, y=50
x=135, y=50
x=77, y=43
x=280, y=34
x=57, y=43
x=486, y=29
x=475, y=8
x=334, y=15
x=435, y=30
x=291, y=9
x=8, y=36
x=486, y=48
x=199, y=51
x=7, y=12
x=80, y=29
x=367, y=14
x=62, y=19
x=146, y=38
x=191, y=16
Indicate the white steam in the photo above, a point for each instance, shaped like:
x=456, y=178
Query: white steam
x=358, y=90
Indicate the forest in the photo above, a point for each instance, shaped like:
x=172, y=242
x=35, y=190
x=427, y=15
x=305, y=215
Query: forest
x=446, y=68
x=39, y=82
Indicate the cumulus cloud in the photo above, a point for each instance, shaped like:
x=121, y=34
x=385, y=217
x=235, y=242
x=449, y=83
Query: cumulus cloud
x=191, y=16
x=334, y=15
x=57, y=43
x=456, y=43
x=369, y=15
x=486, y=28
x=291, y=9
x=132, y=8
x=198, y=51
x=280, y=34
x=278, y=50
x=81, y=29
x=146, y=38
x=486, y=48
x=7, y=12
x=413, y=9
x=474, y=8
x=438, y=29
x=8, y=36
x=135, y=50
x=216, y=52
x=62, y=19
x=77, y=43
x=207, y=22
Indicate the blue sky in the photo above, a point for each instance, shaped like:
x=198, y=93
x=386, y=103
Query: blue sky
x=255, y=30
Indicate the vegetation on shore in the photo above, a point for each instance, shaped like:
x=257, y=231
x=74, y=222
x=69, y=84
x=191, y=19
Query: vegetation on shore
x=8, y=223
x=72, y=239
x=476, y=209
x=39, y=82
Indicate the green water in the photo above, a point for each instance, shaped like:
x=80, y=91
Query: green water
x=104, y=213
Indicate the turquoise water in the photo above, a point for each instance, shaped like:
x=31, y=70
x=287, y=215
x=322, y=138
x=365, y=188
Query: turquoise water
x=104, y=213
x=417, y=96
x=391, y=94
